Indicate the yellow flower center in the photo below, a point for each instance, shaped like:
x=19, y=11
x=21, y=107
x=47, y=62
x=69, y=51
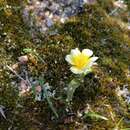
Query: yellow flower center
x=80, y=61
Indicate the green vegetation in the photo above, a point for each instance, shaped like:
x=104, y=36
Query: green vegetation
x=94, y=29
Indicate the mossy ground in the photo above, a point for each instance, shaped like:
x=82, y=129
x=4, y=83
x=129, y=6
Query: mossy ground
x=92, y=29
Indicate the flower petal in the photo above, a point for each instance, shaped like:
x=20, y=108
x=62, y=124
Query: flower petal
x=92, y=61
x=75, y=70
x=68, y=58
x=75, y=52
x=87, y=52
x=87, y=70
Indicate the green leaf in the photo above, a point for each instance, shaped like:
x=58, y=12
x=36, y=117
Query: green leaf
x=33, y=89
x=95, y=115
x=73, y=85
x=27, y=50
x=41, y=82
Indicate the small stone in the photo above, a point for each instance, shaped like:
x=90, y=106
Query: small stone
x=62, y=20
x=15, y=66
x=89, y=1
x=120, y=4
x=129, y=27
x=38, y=89
x=49, y=22
x=23, y=87
x=23, y=59
x=47, y=13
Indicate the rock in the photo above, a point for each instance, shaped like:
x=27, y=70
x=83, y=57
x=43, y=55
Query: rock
x=49, y=22
x=15, y=66
x=23, y=87
x=45, y=13
x=23, y=59
x=38, y=89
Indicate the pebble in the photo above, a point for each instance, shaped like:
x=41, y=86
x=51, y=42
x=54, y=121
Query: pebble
x=15, y=66
x=38, y=89
x=120, y=4
x=23, y=59
x=23, y=87
x=43, y=14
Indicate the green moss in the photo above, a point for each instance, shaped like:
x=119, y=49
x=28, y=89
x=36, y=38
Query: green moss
x=93, y=29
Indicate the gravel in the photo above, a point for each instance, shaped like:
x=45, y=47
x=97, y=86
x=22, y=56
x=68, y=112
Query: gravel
x=41, y=15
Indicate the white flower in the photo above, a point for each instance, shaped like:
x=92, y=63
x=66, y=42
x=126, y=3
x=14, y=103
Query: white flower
x=81, y=61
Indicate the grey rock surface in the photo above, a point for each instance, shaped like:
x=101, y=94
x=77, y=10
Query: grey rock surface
x=43, y=14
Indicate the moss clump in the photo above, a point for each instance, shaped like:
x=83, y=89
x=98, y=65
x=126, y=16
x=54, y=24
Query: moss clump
x=92, y=29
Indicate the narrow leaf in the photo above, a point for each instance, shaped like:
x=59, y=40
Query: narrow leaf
x=27, y=50
x=2, y=111
x=73, y=85
x=95, y=115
